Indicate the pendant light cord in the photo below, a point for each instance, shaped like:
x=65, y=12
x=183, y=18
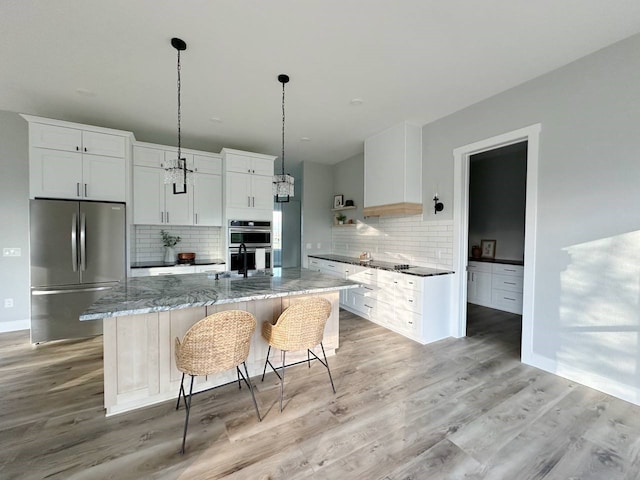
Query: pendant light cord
x=179, y=112
x=283, y=83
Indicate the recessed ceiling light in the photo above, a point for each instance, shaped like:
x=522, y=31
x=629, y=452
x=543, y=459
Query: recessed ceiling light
x=86, y=92
x=216, y=119
x=305, y=139
x=357, y=101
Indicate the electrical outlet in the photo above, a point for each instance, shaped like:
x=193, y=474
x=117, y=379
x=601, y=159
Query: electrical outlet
x=11, y=252
x=309, y=247
x=8, y=303
x=319, y=245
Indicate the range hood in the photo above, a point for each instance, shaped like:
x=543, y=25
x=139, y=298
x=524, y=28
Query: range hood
x=393, y=172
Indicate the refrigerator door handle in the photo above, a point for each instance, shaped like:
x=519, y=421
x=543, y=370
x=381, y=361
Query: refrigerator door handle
x=70, y=290
x=74, y=242
x=83, y=241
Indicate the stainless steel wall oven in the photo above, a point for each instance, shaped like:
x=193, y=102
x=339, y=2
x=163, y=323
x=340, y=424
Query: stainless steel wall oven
x=255, y=237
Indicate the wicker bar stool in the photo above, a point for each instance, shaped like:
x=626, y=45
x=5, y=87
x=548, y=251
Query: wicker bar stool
x=217, y=343
x=299, y=327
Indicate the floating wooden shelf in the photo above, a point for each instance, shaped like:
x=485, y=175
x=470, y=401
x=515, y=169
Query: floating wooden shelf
x=393, y=209
x=340, y=209
x=345, y=225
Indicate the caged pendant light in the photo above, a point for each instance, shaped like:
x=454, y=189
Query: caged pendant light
x=283, y=183
x=176, y=171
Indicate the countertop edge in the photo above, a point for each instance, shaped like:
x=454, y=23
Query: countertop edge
x=372, y=264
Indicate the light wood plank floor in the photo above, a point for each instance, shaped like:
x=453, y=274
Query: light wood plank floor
x=458, y=408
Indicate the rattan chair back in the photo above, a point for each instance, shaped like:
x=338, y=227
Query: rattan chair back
x=300, y=326
x=216, y=343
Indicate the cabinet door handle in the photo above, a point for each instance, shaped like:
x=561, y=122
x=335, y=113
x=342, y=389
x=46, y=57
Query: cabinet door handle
x=77, y=148
x=85, y=190
x=196, y=218
x=509, y=283
x=85, y=149
x=368, y=306
x=161, y=217
x=167, y=217
x=248, y=201
x=253, y=201
x=78, y=189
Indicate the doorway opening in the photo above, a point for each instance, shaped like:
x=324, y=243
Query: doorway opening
x=496, y=231
x=462, y=170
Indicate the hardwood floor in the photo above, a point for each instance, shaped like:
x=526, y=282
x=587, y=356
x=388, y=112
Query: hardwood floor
x=458, y=408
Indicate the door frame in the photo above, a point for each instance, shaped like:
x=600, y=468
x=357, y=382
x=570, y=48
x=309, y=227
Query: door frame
x=461, y=159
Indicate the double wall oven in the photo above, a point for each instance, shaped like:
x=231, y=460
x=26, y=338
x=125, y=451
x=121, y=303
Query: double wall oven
x=255, y=236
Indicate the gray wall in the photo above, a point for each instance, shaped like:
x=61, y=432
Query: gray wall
x=14, y=220
x=348, y=180
x=587, y=270
x=497, y=191
x=317, y=201
x=291, y=221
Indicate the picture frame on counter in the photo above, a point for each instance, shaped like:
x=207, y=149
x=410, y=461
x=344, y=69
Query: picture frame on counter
x=488, y=248
x=338, y=201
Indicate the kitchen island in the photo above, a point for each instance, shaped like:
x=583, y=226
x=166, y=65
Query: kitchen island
x=142, y=317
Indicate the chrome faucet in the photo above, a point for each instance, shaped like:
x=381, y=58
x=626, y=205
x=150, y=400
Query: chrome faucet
x=245, y=259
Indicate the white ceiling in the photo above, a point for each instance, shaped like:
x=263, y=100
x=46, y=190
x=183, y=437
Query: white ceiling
x=110, y=63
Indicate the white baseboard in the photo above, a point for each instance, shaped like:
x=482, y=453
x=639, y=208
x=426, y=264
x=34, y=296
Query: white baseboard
x=15, y=325
x=592, y=380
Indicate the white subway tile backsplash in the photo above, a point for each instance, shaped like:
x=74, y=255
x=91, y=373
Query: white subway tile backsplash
x=205, y=242
x=406, y=239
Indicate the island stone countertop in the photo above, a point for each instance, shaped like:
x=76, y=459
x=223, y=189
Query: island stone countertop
x=380, y=265
x=138, y=295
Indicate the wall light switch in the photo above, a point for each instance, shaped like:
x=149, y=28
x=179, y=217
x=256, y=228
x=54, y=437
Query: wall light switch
x=309, y=247
x=11, y=252
x=319, y=245
x=8, y=303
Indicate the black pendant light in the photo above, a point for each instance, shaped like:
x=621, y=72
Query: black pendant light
x=176, y=171
x=283, y=183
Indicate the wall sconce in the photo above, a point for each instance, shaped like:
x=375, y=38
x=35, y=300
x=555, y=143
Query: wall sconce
x=438, y=206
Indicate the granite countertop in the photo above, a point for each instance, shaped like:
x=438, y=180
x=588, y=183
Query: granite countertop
x=150, y=264
x=412, y=270
x=497, y=260
x=139, y=295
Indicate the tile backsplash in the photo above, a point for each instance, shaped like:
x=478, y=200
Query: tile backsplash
x=204, y=241
x=398, y=239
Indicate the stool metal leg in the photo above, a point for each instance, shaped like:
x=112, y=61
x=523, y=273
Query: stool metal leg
x=282, y=381
x=327, y=365
x=265, y=363
x=247, y=380
x=181, y=392
x=187, y=404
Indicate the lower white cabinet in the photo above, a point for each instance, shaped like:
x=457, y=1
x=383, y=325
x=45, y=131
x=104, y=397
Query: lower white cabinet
x=495, y=285
x=416, y=307
x=177, y=270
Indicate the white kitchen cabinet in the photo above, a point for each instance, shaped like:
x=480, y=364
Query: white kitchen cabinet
x=479, y=279
x=75, y=162
x=495, y=285
x=207, y=200
x=393, y=158
x=154, y=202
x=218, y=267
x=248, y=185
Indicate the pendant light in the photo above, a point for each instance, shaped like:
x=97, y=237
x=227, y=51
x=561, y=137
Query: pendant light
x=283, y=183
x=176, y=171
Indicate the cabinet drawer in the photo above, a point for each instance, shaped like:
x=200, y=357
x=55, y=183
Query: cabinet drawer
x=410, y=282
x=220, y=267
x=384, y=277
x=315, y=264
x=368, y=276
x=513, y=270
x=363, y=304
x=409, y=300
x=509, y=301
x=479, y=267
x=506, y=282
x=409, y=322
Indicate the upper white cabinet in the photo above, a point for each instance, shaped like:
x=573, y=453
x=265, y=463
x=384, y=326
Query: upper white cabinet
x=76, y=161
x=248, y=183
x=393, y=171
x=154, y=202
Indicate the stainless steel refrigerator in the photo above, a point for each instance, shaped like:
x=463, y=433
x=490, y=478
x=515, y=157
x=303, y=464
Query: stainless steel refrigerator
x=77, y=255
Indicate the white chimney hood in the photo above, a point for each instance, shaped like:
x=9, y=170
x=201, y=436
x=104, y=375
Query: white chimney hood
x=393, y=171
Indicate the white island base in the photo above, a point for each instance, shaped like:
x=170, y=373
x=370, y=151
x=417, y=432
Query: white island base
x=139, y=358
